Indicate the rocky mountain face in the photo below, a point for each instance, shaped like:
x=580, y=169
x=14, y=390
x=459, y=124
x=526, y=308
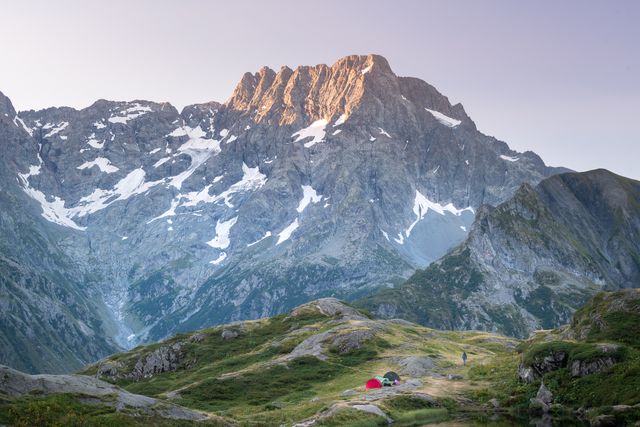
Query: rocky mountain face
x=323, y=180
x=532, y=261
x=51, y=317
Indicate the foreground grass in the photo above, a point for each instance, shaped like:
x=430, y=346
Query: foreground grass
x=68, y=410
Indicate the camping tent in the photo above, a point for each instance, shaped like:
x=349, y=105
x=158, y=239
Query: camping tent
x=393, y=377
x=384, y=381
x=373, y=383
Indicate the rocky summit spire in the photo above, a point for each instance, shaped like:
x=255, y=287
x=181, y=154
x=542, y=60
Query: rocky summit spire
x=356, y=85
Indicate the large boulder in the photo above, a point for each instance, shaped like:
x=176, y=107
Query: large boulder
x=542, y=401
x=415, y=366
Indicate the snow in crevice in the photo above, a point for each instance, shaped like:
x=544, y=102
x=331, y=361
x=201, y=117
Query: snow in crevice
x=383, y=132
x=443, y=119
x=130, y=113
x=168, y=213
x=366, y=70
x=155, y=150
x=422, y=205
x=18, y=122
x=223, y=230
x=102, y=163
x=55, y=129
x=285, y=234
x=335, y=132
x=99, y=125
x=267, y=234
x=385, y=234
x=309, y=195
x=315, y=130
x=161, y=162
x=221, y=257
x=509, y=159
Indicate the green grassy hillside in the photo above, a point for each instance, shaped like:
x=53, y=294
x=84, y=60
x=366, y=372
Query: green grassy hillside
x=310, y=366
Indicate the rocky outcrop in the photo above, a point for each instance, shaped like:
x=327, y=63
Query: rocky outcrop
x=337, y=407
x=163, y=359
x=581, y=368
x=343, y=338
x=15, y=383
x=228, y=334
x=547, y=363
x=329, y=307
x=166, y=358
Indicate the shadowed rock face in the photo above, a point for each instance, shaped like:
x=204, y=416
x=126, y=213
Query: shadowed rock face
x=318, y=181
x=530, y=262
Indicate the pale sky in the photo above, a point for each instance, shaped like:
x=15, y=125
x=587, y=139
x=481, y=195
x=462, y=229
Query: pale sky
x=561, y=78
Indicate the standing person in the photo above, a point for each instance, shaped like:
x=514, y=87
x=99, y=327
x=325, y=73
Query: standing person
x=464, y=358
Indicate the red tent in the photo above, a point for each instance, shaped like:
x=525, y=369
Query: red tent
x=373, y=383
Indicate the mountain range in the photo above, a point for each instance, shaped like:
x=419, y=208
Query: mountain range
x=127, y=222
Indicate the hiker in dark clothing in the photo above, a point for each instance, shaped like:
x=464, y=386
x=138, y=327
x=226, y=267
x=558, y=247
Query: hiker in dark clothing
x=464, y=358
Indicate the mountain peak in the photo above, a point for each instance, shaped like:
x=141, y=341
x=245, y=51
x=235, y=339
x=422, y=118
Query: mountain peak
x=6, y=107
x=362, y=85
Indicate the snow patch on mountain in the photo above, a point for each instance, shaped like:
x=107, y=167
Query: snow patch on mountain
x=223, y=229
x=285, y=234
x=102, y=163
x=315, y=130
x=267, y=234
x=509, y=159
x=133, y=112
x=199, y=149
x=343, y=118
x=383, y=132
x=56, y=211
x=93, y=141
x=18, y=122
x=309, y=195
x=445, y=120
x=161, y=162
x=221, y=257
x=55, y=129
x=422, y=205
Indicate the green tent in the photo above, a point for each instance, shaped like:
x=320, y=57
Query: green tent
x=383, y=380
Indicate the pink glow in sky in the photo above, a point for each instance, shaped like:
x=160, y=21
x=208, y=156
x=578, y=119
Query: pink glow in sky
x=561, y=78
